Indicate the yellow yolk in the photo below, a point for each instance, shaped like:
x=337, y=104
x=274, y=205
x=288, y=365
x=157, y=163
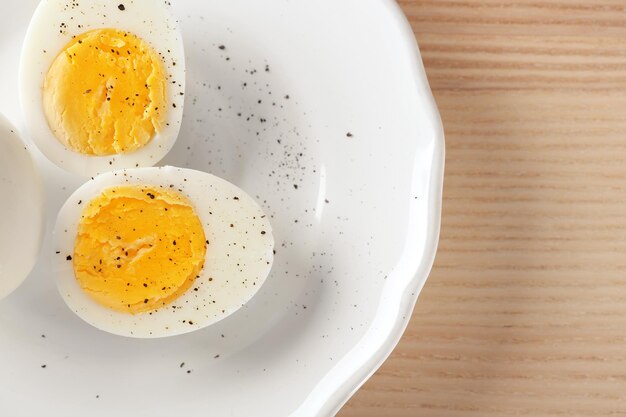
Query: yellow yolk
x=105, y=93
x=138, y=248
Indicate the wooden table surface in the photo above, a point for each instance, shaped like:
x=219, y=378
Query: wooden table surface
x=525, y=311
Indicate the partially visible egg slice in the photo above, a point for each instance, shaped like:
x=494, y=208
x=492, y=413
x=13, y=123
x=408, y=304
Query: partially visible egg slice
x=102, y=83
x=156, y=252
x=21, y=210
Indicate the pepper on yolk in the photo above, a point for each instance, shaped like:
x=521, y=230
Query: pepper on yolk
x=138, y=248
x=106, y=93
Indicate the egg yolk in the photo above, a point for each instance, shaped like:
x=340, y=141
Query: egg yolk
x=138, y=248
x=105, y=93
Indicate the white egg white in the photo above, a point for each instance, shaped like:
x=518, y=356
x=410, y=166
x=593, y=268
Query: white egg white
x=53, y=25
x=238, y=259
x=21, y=210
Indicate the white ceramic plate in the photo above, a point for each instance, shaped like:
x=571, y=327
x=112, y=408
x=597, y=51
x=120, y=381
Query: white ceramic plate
x=355, y=240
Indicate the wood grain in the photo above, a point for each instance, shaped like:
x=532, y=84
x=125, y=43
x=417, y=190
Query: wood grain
x=525, y=311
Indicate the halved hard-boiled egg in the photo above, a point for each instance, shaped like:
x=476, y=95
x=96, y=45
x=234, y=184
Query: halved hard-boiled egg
x=102, y=83
x=21, y=210
x=155, y=252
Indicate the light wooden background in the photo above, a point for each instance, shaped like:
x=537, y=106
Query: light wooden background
x=525, y=311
